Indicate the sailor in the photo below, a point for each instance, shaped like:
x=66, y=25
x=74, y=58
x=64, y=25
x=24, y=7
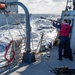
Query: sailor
x=64, y=33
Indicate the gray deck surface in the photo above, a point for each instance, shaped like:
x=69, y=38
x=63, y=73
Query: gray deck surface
x=41, y=66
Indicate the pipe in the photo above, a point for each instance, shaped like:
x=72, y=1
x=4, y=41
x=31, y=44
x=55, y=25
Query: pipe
x=27, y=23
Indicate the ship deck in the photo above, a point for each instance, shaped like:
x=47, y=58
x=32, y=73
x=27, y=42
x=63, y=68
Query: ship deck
x=43, y=65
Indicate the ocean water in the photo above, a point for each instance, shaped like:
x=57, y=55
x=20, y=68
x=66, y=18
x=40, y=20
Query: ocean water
x=38, y=25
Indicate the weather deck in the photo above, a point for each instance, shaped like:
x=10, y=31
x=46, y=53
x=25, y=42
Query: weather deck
x=43, y=65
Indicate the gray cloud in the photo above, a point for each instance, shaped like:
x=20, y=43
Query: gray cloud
x=59, y=0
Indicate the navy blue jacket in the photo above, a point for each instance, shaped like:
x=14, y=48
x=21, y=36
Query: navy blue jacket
x=55, y=24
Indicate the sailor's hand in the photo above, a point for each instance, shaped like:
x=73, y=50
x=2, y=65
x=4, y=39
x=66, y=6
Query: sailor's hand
x=52, y=20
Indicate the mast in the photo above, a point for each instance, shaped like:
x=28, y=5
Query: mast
x=70, y=5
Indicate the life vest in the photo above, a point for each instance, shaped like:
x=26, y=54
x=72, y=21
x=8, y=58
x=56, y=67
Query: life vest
x=65, y=30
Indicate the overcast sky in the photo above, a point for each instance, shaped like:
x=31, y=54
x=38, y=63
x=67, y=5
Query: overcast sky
x=44, y=6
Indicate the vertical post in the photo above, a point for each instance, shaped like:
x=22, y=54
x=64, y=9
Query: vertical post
x=66, y=5
x=73, y=4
